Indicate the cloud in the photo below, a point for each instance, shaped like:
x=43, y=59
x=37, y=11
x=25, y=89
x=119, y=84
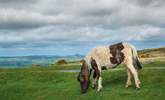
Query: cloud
x=20, y=19
x=60, y=34
x=151, y=3
x=52, y=24
x=105, y=13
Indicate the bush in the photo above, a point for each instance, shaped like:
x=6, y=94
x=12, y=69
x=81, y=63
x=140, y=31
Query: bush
x=145, y=56
x=61, y=62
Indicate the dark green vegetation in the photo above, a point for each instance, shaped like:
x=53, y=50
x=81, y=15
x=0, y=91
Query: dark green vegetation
x=49, y=84
x=61, y=62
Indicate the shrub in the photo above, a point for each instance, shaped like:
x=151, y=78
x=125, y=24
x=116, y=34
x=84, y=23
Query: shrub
x=61, y=62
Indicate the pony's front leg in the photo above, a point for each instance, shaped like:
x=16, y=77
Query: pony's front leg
x=97, y=73
x=100, y=87
x=94, y=80
x=94, y=83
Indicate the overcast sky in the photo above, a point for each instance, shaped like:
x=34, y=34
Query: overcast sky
x=66, y=27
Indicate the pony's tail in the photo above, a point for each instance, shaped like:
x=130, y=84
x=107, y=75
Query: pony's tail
x=135, y=57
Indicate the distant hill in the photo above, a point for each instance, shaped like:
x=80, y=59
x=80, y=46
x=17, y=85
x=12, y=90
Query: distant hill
x=156, y=52
x=22, y=61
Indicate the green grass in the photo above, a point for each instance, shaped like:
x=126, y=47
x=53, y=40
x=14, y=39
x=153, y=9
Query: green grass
x=49, y=84
x=65, y=66
x=154, y=64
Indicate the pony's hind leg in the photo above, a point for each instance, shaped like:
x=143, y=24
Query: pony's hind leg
x=133, y=71
x=129, y=77
x=135, y=75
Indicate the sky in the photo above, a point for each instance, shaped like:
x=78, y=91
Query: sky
x=67, y=27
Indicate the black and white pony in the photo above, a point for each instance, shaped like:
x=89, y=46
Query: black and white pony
x=107, y=57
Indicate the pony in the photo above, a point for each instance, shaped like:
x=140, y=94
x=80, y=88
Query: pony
x=108, y=57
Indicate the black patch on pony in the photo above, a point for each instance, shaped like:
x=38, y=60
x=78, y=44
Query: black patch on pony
x=137, y=64
x=95, y=68
x=117, y=55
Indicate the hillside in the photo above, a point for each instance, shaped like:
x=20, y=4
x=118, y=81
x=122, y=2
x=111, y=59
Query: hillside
x=148, y=53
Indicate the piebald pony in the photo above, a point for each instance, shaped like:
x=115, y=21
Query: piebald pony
x=107, y=57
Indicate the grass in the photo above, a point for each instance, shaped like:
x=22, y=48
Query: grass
x=49, y=84
x=65, y=66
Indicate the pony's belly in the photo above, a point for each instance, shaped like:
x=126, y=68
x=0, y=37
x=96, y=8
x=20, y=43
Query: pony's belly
x=108, y=66
x=112, y=66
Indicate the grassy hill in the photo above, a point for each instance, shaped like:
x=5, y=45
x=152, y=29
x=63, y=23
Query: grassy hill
x=152, y=55
x=157, y=52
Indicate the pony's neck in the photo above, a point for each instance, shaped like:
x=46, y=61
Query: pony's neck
x=85, y=69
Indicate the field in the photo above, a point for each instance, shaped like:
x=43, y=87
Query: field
x=50, y=83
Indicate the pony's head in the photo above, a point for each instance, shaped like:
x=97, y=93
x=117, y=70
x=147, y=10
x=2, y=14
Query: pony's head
x=84, y=77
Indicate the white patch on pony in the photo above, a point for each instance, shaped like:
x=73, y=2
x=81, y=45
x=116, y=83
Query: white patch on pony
x=101, y=55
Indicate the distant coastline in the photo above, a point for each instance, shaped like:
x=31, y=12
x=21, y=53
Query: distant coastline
x=25, y=61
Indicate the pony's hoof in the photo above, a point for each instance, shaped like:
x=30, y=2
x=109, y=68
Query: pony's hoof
x=139, y=82
x=127, y=85
x=93, y=86
x=100, y=89
x=137, y=88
